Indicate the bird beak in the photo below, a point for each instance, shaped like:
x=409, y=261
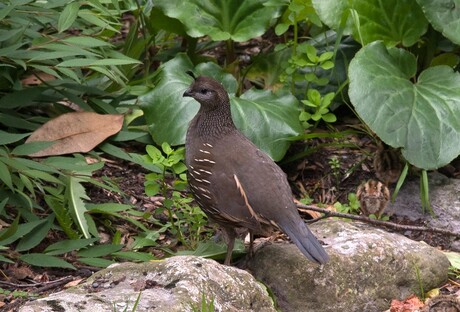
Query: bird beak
x=187, y=92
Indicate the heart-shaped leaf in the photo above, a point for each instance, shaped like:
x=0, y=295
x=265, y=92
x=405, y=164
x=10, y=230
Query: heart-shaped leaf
x=239, y=20
x=393, y=21
x=422, y=117
x=444, y=15
x=267, y=119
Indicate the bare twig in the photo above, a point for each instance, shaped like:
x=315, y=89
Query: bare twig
x=328, y=213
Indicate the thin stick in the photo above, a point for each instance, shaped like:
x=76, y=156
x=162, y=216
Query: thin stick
x=329, y=213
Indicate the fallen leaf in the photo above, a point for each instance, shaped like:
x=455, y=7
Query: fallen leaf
x=76, y=132
x=36, y=79
x=73, y=283
x=410, y=304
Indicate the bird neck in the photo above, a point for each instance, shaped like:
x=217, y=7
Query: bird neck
x=213, y=123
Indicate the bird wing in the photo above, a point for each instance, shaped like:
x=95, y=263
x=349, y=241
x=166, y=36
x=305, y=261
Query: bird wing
x=250, y=176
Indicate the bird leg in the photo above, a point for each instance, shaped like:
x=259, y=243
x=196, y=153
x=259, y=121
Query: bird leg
x=251, y=244
x=230, y=235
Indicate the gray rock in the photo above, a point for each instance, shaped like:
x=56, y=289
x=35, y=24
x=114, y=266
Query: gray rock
x=445, y=202
x=444, y=198
x=368, y=268
x=175, y=284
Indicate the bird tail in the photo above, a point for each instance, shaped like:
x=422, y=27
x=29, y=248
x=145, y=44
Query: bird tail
x=307, y=243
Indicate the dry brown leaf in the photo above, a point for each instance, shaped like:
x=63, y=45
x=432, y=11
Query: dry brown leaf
x=34, y=80
x=76, y=132
x=410, y=304
x=73, y=283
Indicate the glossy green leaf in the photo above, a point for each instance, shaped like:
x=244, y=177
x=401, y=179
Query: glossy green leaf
x=46, y=261
x=167, y=112
x=86, y=42
x=75, y=194
x=30, y=148
x=5, y=175
x=72, y=164
x=68, y=16
x=134, y=256
x=444, y=15
x=213, y=250
x=99, y=251
x=267, y=119
x=4, y=259
x=7, y=138
x=108, y=207
x=393, y=21
x=238, y=20
x=14, y=233
x=96, y=62
x=9, y=232
x=34, y=237
x=68, y=245
x=97, y=262
x=421, y=117
x=454, y=258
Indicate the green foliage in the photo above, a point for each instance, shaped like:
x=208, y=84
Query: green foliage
x=217, y=19
x=320, y=106
x=17, y=293
x=206, y=305
x=443, y=16
x=404, y=21
x=454, y=258
x=30, y=40
x=351, y=207
x=417, y=113
x=182, y=216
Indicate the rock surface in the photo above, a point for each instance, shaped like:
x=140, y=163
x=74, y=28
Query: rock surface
x=368, y=268
x=444, y=198
x=179, y=284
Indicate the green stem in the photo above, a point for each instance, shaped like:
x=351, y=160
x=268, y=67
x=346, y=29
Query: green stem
x=169, y=209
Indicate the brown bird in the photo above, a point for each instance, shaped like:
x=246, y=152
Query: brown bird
x=373, y=197
x=236, y=184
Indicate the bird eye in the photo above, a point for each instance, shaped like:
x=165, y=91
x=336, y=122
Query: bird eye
x=204, y=91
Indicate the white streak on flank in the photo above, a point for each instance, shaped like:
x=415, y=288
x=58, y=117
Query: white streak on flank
x=205, y=171
x=204, y=160
x=243, y=194
x=206, y=152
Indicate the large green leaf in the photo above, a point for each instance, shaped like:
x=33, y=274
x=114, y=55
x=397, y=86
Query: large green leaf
x=393, y=21
x=263, y=117
x=167, y=112
x=267, y=119
x=444, y=15
x=239, y=20
x=47, y=261
x=75, y=194
x=422, y=117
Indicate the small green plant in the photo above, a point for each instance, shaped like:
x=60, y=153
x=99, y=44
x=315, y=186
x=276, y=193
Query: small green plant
x=316, y=108
x=334, y=163
x=182, y=216
x=307, y=200
x=16, y=293
x=351, y=207
x=207, y=305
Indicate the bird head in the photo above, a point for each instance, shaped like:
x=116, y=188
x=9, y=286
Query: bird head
x=208, y=92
